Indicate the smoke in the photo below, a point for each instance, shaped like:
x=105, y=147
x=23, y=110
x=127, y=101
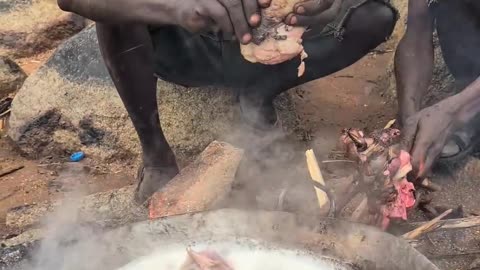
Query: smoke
x=272, y=176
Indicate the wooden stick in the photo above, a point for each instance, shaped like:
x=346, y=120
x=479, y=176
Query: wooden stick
x=427, y=227
x=10, y=194
x=338, y=161
x=11, y=170
x=449, y=255
x=390, y=124
x=5, y=112
x=316, y=175
x=460, y=223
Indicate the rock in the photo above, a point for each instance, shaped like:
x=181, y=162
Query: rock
x=28, y=27
x=201, y=185
x=12, y=256
x=70, y=104
x=105, y=209
x=28, y=236
x=11, y=77
x=10, y=5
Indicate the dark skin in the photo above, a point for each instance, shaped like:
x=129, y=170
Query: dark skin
x=231, y=16
x=427, y=130
x=127, y=49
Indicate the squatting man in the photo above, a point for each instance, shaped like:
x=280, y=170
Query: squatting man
x=197, y=43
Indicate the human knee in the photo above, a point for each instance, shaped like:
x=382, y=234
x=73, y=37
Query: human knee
x=374, y=19
x=64, y=4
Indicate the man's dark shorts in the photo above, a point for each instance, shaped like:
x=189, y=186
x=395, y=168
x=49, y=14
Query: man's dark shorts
x=208, y=59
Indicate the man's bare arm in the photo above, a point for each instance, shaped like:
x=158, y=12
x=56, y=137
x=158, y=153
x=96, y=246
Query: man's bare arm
x=155, y=12
x=414, y=59
x=229, y=16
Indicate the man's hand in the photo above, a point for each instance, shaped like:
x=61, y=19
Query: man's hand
x=426, y=132
x=231, y=16
x=314, y=13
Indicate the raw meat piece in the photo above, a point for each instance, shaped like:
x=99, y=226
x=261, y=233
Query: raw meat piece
x=204, y=260
x=285, y=45
x=397, y=170
x=395, y=195
x=404, y=199
x=274, y=41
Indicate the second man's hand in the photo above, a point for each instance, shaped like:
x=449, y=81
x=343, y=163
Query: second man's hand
x=231, y=16
x=312, y=13
x=426, y=132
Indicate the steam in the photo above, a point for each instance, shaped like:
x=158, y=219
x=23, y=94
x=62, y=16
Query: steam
x=273, y=172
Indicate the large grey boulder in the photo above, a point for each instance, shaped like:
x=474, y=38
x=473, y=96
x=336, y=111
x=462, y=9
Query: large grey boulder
x=70, y=104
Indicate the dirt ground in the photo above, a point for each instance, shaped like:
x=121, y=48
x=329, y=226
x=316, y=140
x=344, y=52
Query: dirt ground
x=345, y=99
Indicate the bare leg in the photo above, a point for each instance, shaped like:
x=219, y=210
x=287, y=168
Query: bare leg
x=128, y=54
x=369, y=26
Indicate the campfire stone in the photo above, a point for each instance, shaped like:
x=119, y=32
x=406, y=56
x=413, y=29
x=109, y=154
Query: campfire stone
x=11, y=77
x=70, y=104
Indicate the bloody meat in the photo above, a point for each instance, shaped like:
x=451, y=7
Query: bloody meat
x=380, y=160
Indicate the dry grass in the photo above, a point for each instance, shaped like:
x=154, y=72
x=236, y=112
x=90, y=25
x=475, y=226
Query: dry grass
x=25, y=20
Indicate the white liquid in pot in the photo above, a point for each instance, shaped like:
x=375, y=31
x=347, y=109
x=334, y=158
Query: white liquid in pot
x=238, y=256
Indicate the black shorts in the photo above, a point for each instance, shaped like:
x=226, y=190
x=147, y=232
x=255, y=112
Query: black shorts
x=457, y=25
x=208, y=59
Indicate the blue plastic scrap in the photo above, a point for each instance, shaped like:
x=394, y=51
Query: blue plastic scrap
x=76, y=157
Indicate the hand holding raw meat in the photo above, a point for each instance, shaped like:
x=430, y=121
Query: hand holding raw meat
x=314, y=13
x=279, y=36
x=426, y=133
x=230, y=16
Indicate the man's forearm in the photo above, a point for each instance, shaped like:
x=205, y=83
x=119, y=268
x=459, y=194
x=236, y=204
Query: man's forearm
x=467, y=102
x=155, y=12
x=414, y=59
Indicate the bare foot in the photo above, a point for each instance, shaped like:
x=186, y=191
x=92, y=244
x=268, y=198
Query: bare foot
x=151, y=179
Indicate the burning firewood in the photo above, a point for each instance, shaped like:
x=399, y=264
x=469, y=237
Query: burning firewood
x=204, y=260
